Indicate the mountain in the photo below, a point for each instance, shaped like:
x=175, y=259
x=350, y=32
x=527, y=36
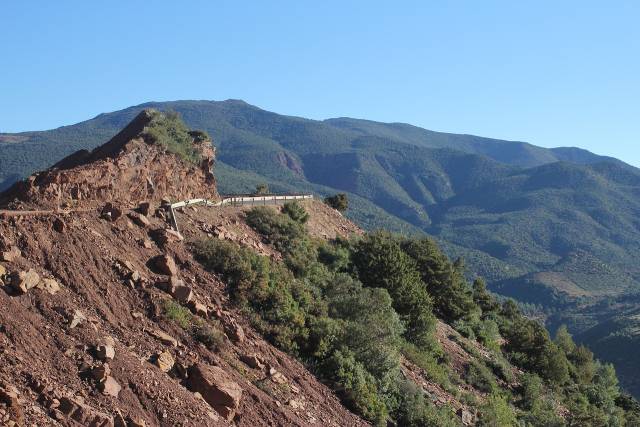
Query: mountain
x=254, y=316
x=562, y=221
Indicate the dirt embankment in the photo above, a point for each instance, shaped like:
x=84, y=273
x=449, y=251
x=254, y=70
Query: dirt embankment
x=77, y=282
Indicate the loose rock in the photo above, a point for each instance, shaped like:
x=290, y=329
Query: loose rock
x=184, y=294
x=144, y=208
x=164, y=361
x=166, y=264
x=164, y=337
x=105, y=352
x=51, y=286
x=78, y=317
x=59, y=225
x=139, y=219
x=100, y=372
x=110, y=387
x=111, y=212
x=22, y=281
x=11, y=255
x=85, y=415
x=252, y=361
x=234, y=331
x=217, y=389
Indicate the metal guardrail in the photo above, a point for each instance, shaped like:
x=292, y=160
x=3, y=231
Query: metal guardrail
x=237, y=200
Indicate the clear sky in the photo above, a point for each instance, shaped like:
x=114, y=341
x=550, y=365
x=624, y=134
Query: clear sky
x=553, y=73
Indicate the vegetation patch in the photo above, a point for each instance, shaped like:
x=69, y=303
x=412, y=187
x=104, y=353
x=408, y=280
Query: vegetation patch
x=168, y=130
x=350, y=308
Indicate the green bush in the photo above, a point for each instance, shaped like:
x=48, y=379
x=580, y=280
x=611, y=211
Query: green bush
x=296, y=212
x=210, y=335
x=177, y=313
x=496, y=412
x=479, y=376
x=357, y=386
x=261, y=190
x=199, y=136
x=339, y=202
x=381, y=263
x=168, y=129
x=433, y=370
x=263, y=286
x=445, y=281
x=415, y=410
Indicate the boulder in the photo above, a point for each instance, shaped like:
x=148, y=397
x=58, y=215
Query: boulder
x=51, y=286
x=137, y=422
x=78, y=317
x=83, y=414
x=3, y=271
x=166, y=265
x=169, y=286
x=10, y=397
x=110, y=387
x=184, y=294
x=234, y=331
x=164, y=360
x=252, y=361
x=100, y=373
x=163, y=236
x=111, y=212
x=199, y=309
x=11, y=255
x=216, y=388
x=144, y=208
x=59, y=225
x=277, y=377
x=105, y=352
x=466, y=417
x=163, y=337
x=139, y=219
x=22, y=281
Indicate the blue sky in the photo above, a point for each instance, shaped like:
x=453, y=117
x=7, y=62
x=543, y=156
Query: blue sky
x=550, y=73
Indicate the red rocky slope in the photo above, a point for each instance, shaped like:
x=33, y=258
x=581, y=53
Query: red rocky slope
x=84, y=334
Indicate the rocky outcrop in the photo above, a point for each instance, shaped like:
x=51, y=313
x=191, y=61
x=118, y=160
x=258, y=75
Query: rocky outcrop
x=127, y=169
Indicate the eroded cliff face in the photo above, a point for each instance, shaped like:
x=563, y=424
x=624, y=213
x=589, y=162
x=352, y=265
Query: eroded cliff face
x=126, y=170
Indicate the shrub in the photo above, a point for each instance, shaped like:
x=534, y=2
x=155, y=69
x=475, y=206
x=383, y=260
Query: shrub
x=265, y=287
x=339, y=202
x=488, y=334
x=261, y=189
x=280, y=230
x=210, y=335
x=415, y=410
x=381, y=263
x=168, y=129
x=199, y=135
x=464, y=328
x=177, y=313
x=501, y=367
x=296, y=212
x=357, y=386
x=445, y=282
x=496, y=412
x=479, y=376
x=429, y=364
